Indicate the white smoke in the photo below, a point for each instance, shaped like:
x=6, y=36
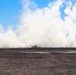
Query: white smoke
x=42, y=27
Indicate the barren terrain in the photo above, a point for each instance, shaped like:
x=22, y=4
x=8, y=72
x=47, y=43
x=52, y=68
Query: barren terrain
x=38, y=61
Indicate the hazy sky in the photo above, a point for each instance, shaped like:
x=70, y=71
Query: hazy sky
x=10, y=10
x=45, y=23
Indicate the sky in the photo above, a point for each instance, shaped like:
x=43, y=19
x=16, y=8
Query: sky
x=45, y=23
x=10, y=10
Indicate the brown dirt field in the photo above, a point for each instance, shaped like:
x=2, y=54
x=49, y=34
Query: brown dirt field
x=26, y=62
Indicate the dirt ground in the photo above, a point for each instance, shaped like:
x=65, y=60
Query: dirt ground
x=44, y=63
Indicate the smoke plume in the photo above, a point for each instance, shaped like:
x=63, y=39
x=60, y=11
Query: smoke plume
x=43, y=27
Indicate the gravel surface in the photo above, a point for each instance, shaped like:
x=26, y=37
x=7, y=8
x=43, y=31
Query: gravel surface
x=37, y=62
